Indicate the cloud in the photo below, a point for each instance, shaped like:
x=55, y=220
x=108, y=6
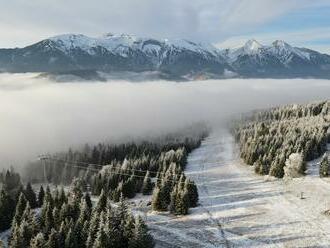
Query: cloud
x=303, y=38
x=22, y=22
x=37, y=116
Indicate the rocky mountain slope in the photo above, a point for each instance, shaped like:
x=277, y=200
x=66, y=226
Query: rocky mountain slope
x=277, y=60
x=170, y=59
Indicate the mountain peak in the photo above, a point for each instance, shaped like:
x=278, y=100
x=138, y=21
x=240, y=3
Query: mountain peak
x=280, y=43
x=252, y=45
x=107, y=35
x=68, y=37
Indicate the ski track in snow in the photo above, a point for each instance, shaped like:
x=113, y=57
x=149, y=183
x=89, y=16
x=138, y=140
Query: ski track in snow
x=241, y=209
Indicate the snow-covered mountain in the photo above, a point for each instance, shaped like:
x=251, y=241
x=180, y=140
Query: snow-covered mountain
x=112, y=53
x=277, y=60
x=171, y=58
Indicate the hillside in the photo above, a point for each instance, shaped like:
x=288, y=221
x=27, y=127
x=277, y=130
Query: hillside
x=268, y=138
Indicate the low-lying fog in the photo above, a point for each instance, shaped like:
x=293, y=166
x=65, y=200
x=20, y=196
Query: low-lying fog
x=38, y=116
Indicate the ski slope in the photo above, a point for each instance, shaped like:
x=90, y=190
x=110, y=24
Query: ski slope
x=241, y=209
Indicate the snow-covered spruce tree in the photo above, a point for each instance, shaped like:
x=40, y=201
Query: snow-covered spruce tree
x=48, y=197
x=52, y=241
x=65, y=223
x=12, y=183
x=147, y=184
x=7, y=207
x=295, y=166
x=76, y=190
x=173, y=202
x=88, y=200
x=129, y=187
x=182, y=202
x=269, y=137
x=16, y=240
x=38, y=241
x=80, y=227
x=49, y=222
x=69, y=239
x=41, y=196
x=93, y=228
x=156, y=199
x=20, y=207
x=101, y=238
x=324, y=166
x=30, y=195
x=25, y=233
x=102, y=203
x=31, y=221
x=191, y=188
x=162, y=195
x=61, y=235
x=165, y=193
x=129, y=226
x=141, y=237
x=168, y=194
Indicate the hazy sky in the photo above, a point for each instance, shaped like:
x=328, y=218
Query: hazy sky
x=222, y=22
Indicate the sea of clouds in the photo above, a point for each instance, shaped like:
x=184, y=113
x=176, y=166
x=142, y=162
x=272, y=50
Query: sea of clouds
x=38, y=116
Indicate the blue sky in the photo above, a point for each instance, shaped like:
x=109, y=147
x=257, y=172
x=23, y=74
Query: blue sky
x=303, y=26
x=226, y=23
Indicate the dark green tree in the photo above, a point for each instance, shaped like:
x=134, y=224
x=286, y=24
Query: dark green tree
x=141, y=236
x=156, y=199
x=20, y=207
x=147, y=184
x=191, y=187
x=16, y=240
x=52, y=241
x=38, y=241
x=182, y=204
x=101, y=240
x=102, y=202
x=88, y=200
x=324, y=166
x=69, y=240
x=49, y=219
x=30, y=196
x=41, y=196
x=174, y=196
x=7, y=208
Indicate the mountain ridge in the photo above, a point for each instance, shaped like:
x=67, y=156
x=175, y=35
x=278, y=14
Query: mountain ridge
x=176, y=58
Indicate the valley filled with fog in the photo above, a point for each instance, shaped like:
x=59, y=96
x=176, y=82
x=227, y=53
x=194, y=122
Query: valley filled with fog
x=39, y=116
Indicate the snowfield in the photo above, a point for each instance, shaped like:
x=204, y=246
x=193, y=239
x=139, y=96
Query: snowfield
x=241, y=209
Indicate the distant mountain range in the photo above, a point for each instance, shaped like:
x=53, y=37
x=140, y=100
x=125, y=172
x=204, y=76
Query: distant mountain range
x=130, y=57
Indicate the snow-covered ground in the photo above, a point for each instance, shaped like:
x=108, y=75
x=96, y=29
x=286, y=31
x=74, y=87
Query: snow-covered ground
x=241, y=209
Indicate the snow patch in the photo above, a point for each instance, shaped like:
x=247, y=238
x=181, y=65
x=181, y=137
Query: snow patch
x=121, y=44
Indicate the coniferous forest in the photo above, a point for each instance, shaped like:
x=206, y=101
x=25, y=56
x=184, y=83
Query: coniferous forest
x=267, y=138
x=149, y=167
x=60, y=219
x=63, y=216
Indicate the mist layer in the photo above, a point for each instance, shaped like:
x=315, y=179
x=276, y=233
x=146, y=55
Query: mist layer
x=38, y=116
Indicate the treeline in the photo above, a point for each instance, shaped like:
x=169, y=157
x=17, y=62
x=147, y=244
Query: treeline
x=127, y=169
x=9, y=194
x=140, y=155
x=324, y=166
x=267, y=138
x=59, y=219
x=174, y=192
